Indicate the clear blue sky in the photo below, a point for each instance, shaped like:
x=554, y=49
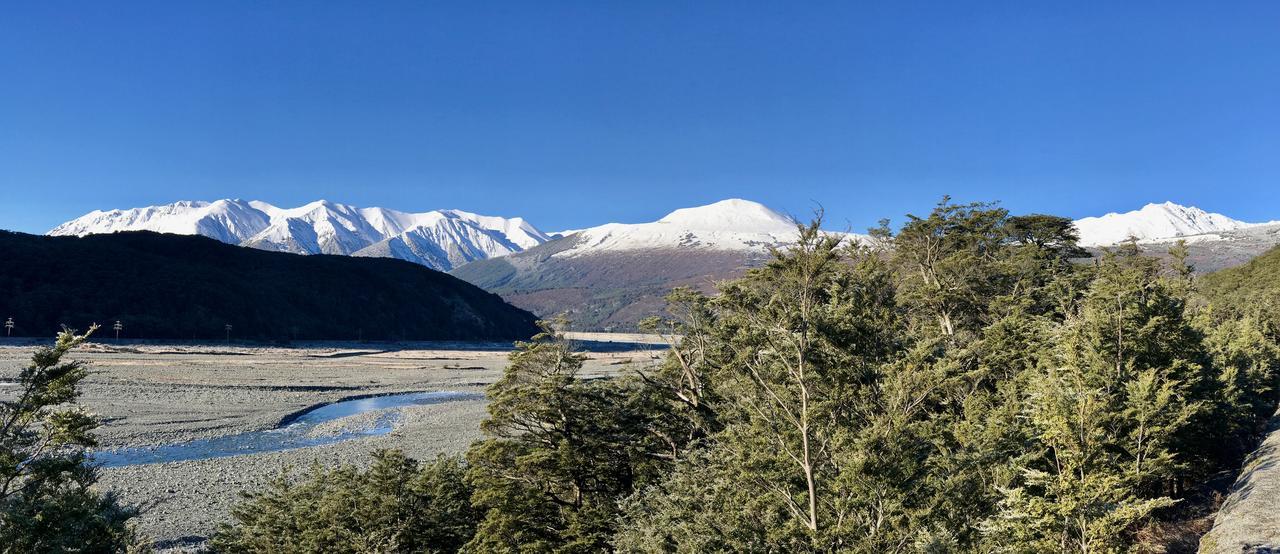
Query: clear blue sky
x=578, y=113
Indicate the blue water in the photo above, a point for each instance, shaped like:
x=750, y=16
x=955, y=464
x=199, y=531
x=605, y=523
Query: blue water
x=292, y=433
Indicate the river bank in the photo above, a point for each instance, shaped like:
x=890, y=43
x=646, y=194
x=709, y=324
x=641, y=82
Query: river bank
x=155, y=394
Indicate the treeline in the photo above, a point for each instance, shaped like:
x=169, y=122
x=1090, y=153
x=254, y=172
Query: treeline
x=189, y=287
x=963, y=384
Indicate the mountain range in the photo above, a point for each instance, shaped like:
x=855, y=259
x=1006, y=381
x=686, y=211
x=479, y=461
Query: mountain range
x=439, y=239
x=611, y=275
x=1156, y=223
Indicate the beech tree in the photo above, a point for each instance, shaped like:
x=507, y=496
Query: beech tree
x=945, y=260
x=559, y=454
x=801, y=342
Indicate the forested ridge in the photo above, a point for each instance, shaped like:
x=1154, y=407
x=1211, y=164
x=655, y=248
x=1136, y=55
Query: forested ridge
x=190, y=287
x=964, y=385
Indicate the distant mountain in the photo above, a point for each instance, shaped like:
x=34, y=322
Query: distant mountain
x=168, y=286
x=1214, y=241
x=733, y=225
x=614, y=275
x=440, y=239
x=1157, y=223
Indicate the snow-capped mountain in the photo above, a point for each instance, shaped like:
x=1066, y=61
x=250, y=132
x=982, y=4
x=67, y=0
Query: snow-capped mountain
x=441, y=239
x=615, y=275
x=732, y=224
x=1157, y=223
x=229, y=221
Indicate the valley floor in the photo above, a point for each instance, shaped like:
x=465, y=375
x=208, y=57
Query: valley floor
x=150, y=394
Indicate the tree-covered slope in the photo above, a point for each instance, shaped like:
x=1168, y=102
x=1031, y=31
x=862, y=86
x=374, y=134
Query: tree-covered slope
x=190, y=287
x=1251, y=290
x=1239, y=285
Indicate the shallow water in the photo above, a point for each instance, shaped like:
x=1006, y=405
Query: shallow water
x=294, y=432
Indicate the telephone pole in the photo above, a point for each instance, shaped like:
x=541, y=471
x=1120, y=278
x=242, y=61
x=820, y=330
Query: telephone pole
x=118, y=326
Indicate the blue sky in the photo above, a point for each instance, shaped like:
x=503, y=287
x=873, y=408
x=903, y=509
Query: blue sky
x=577, y=113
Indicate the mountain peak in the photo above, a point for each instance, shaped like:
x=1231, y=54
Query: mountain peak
x=1154, y=223
x=324, y=227
x=729, y=214
x=728, y=225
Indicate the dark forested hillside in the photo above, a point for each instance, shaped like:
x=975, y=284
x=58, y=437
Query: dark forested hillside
x=1261, y=276
x=1251, y=290
x=187, y=287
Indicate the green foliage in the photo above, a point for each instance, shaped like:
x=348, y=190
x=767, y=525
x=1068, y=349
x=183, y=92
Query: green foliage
x=963, y=386
x=797, y=350
x=560, y=452
x=1250, y=290
x=942, y=264
x=970, y=389
x=397, y=505
x=46, y=504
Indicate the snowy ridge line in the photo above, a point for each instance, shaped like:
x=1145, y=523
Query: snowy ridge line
x=441, y=239
x=733, y=224
x=1158, y=223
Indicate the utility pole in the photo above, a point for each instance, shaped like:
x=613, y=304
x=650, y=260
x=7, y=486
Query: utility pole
x=228, y=329
x=8, y=327
x=118, y=326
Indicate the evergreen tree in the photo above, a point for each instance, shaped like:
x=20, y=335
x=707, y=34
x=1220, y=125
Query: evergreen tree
x=801, y=344
x=561, y=452
x=681, y=389
x=1110, y=412
x=397, y=505
x=46, y=504
x=946, y=264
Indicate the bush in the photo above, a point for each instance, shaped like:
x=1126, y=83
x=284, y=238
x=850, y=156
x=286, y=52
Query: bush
x=397, y=505
x=46, y=504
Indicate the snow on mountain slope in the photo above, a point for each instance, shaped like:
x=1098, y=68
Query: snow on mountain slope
x=1155, y=223
x=732, y=224
x=439, y=239
x=450, y=238
x=225, y=220
x=515, y=229
x=615, y=275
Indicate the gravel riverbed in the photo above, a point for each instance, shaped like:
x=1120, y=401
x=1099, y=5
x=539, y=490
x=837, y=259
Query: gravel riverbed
x=154, y=394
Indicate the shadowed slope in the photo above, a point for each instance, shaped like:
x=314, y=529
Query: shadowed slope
x=189, y=287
